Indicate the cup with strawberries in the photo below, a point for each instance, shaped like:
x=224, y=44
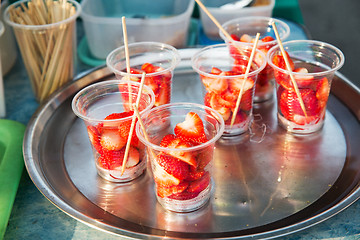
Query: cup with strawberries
x=106, y=110
x=243, y=31
x=181, y=153
x=157, y=60
x=222, y=73
x=302, y=98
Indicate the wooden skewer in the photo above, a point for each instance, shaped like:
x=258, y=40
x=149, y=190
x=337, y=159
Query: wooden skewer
x=127, y=58
x=127, y=148
x=296, y=88
x=244, y=81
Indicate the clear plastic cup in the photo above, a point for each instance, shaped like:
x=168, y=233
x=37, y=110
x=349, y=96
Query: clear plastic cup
x=245, y=29
x=105, y=108
x=47, y=41
x=314, y=64
x=158, y=60
x=181, y=168
x=222, y=72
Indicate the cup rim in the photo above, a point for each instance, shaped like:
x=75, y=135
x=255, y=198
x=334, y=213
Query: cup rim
x=158, y=45
x=110, y=82
x=44, y=26
x=307, y=42
x=257, y=18
x=222, y=45
x=194, y=148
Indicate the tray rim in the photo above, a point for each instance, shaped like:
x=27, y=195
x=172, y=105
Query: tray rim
x=40, y=181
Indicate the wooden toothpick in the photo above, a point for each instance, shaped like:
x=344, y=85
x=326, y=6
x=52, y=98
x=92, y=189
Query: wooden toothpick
x=244, y=81
x=127, y=148
x=296, y=88
x=127, y=58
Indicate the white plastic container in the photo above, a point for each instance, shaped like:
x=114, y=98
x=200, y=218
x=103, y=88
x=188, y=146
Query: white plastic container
x=156, y=20
x=223, y=15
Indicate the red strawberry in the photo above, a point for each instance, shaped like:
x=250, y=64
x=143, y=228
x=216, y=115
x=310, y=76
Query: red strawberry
x=279, y=61
x=322, y=89
x=148, y=68
x=113, y=160
x=94, y=137
x=163, y=178
x=246, y=38
x=171, y=141
x=164, y=94
x=215, y=84
x=235, y=84
x=267, y=39
x=119, y=115
x=199, y=185
x=163, y=191
x=111, y=140
x=173, y=166
x=303, y=81
x=195, y=174
x=235, y=37
x=211, y=100
x=290, y=105
x=191, y=130
x=205, y=157
x=246, y=101
x=215, y=71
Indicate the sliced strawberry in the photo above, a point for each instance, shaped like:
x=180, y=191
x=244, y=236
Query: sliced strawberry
x=205, y=157
x=111, y=140
x=322, y=89
x=163, y=191
x=279, y=61
x=215, y=84
x=200, y=184
x=191, y=130
x=212, y=101
x=267, y=39
x=235, y=37
x=235, y=84
x=164, y=94
x=246, y=38
x=113, y=160
x=290, y=105
x=195, y=174
x=171, y=141
x=173, y=166
x=246, y=101
x=163, y=178
x=119, y=115
x=94, y=137
x=215, y=71
x=303, y=81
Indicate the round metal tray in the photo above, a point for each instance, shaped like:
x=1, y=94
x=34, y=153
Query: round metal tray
x=267, y=183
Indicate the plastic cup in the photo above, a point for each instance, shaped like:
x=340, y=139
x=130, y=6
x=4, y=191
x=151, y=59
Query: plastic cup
x=191, y=189
x=221, y=71
x=48, y=47
x=158, y=60
x=245, y=29
x=108, y=135
x=314, y=65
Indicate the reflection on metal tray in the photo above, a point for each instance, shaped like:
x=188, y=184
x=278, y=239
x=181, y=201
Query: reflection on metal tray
x=267, y=182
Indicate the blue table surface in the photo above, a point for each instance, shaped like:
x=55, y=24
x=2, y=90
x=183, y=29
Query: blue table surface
x=35, y=217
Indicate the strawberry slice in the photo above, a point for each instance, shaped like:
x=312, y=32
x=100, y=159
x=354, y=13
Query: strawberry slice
x=240, y=117
x=173, y=166
x=164, y=94
x=163, y=178
x=235, y=84
x=163, y=191
x=111, y=140
x=215, y=84
x=171, y=141
x=94, y=137
x=235, y=37
x=290, y=105
x=322, y=90
x=246, y=101
x=200, y=184
x=211, y=100
x=191, y=130
x=246, y=38
x=267, y=39
x=303, y=81
x=113, y=160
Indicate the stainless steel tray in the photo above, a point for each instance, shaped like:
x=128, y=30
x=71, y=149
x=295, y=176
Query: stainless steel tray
x=267, y=183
